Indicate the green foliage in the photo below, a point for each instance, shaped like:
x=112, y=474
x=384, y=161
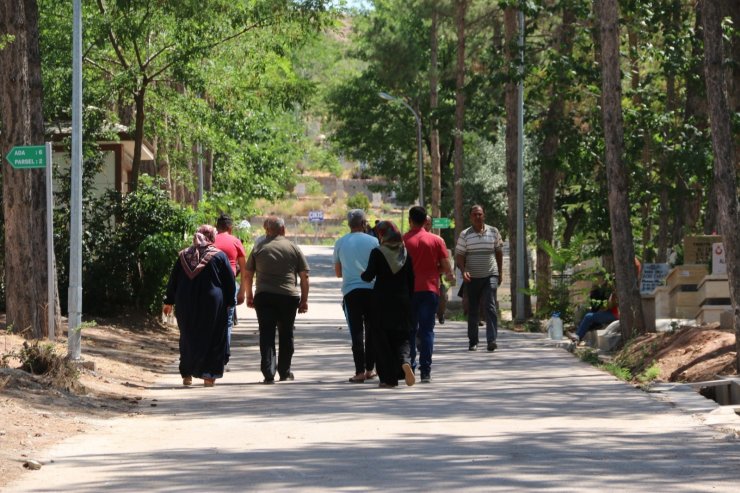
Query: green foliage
x=129, y=241
x=313, y=187
x=563, y=260
x=649, y=375
x=156, y=254
x=620, y=372
x=589, y=356
x=358, y=201
x=5, y=40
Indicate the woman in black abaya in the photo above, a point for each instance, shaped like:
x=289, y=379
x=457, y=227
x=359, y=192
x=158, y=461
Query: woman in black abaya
x=202, y=287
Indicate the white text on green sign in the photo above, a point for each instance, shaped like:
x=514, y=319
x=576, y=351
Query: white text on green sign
x=441, y=222
x=25, y=157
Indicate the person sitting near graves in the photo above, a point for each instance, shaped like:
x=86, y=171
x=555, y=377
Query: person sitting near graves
x=604, y=310
x=604, y=306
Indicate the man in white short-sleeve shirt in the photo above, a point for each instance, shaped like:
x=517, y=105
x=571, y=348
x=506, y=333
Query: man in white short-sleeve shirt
x=479, y=255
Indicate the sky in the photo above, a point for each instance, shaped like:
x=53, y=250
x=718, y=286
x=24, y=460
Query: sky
x=357, y=3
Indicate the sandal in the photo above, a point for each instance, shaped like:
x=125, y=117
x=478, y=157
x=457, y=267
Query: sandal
x=369, y=375
x=357, y=378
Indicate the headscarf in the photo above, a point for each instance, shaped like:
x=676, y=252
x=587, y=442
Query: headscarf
x=391, y=245
x=195, y=258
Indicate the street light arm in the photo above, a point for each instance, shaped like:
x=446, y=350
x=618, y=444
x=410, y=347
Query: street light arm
x=420, y=162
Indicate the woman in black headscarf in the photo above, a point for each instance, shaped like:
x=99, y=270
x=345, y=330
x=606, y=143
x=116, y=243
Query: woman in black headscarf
x=390, y=266
x=202, y=286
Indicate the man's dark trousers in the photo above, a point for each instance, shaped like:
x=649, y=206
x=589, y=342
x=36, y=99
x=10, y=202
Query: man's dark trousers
x=276, y=312
x=482, y=290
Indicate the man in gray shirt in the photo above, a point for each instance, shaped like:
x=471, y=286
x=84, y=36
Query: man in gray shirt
x=277, y=262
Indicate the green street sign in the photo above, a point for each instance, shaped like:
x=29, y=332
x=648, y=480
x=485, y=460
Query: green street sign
x=441, y=222
x=25, y=157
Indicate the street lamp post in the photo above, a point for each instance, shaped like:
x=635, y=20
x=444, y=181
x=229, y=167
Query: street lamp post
x=419, y=157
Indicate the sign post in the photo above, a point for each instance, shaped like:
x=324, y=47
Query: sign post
x=51, y=309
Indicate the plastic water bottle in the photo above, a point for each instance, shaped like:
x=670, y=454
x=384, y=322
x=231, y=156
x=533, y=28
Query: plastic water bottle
x=555, y=326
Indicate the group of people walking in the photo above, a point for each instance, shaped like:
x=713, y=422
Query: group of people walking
x=390, y=287
x=202, y=287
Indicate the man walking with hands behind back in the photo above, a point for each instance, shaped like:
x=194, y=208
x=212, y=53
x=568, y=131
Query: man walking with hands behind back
x=479, y=255
x=277, y=261
x=429, y=256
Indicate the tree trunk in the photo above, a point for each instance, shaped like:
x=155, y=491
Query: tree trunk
x=461, y=7
x=21, y=122
x=208, y=170
x=665, y=210
x=510, y=103
x=549, y=174
x=433, y=103
x=725, y=179
x=138, y=138
x=630, y=308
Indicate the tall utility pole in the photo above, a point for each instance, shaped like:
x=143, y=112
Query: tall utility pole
x=74, y=304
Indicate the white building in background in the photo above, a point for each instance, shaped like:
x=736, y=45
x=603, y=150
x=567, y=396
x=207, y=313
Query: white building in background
x=118, y=158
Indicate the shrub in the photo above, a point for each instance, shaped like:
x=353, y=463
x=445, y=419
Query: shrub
x=42, y=359
x=157, y=254
x=358, y=201
x=127, y=257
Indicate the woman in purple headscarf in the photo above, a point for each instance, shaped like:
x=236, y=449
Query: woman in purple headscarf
x=390, y=266
x=202, y=287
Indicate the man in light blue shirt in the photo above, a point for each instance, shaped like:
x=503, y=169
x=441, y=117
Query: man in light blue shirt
x=351, y=253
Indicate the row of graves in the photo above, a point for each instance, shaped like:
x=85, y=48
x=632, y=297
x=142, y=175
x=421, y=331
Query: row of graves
x=696, y=291
x=693, y=293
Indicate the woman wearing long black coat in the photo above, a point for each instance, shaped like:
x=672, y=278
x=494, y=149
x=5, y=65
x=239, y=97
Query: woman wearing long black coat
x=202, y=287
x=391, y=267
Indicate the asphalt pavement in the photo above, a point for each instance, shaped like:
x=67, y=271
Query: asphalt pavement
x=527, y=417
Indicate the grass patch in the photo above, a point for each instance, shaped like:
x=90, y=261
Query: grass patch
x=591, y=357
x=620, y=372
x=649, y=375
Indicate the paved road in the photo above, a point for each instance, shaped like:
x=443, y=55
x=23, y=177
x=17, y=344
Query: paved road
x=527, y=417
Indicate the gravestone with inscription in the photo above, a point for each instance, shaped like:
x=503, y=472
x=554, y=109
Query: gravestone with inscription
x=653, y=276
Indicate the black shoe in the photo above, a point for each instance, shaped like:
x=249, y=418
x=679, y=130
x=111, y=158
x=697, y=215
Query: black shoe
x=441, y=319
x=492, y=347
x=426, y=379
x=473, y=347
x=288, y=377
x=268, y=381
